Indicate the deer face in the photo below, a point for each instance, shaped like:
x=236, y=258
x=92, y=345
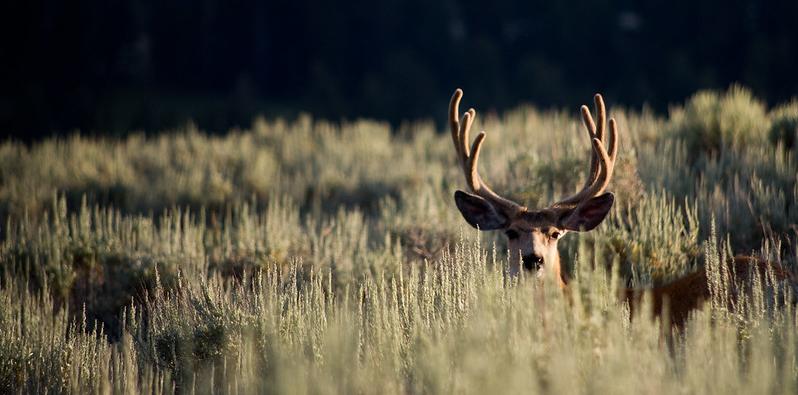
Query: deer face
x=532, y=234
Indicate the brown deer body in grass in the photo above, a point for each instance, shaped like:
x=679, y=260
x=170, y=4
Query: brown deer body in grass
x=691, y=291
x=533, y=233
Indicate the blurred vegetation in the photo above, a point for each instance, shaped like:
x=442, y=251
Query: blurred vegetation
x=784, y=127
x=712, y=121
x=310, y=256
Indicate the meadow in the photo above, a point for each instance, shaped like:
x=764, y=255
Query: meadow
x=309, y=256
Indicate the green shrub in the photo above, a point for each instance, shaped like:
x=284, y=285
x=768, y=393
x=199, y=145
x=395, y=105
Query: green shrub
x=784, y=125
x=711, y=121
x=656, y=240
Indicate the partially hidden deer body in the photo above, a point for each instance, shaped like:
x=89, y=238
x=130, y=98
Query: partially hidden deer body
x=533, y=233
x=689, y=293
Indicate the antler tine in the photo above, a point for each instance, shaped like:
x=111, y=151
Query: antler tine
x=454, y=122
x=606, y=170
x=468, y=120
x=587, y=120
x=474, y=181
x=469, y=158
x=613, y=139
x=601, y=113
x=602, y=162
x=608, y=160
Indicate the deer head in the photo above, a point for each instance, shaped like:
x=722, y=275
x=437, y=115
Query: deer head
x=533, y=233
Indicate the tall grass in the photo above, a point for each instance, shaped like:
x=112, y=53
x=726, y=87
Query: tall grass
x=312, y=257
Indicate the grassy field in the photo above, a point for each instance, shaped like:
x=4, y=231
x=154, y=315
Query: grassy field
x=317, y=257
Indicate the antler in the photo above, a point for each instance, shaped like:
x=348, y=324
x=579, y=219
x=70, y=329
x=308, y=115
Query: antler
x=469, y=158
x=601, y=162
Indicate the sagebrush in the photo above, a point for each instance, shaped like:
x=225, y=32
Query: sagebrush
x=309, y=256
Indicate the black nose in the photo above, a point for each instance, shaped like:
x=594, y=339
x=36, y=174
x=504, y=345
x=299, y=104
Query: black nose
x=532, y=262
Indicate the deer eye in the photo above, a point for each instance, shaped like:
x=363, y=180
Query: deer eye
x=511, y=234
x=555, y=235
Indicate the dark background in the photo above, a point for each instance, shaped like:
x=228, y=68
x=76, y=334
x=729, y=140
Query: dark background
x=111, y=67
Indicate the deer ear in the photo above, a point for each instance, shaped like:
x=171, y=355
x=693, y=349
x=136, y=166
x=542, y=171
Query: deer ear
x=478, y=212
x=588, y=214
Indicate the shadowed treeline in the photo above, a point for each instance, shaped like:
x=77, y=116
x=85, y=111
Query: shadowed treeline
x=105, y=67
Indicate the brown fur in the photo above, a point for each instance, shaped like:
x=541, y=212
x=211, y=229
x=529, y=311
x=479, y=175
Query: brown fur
x=690, y=292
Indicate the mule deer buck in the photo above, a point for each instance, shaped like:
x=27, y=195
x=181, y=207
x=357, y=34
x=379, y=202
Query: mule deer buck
x=533, y=233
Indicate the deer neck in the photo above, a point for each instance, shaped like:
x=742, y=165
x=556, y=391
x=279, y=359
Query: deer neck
x=554, y=269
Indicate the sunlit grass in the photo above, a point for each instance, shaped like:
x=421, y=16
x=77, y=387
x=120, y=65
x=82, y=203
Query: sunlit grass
x=312, y=257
